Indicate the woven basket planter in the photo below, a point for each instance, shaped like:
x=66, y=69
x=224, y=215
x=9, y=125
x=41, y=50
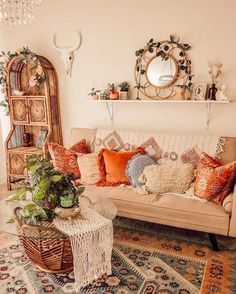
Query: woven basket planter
x=47, y=247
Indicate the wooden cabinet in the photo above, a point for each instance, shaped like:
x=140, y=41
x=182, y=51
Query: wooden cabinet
x=35, y=111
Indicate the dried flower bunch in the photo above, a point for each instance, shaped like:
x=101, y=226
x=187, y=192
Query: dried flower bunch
x=215, y=72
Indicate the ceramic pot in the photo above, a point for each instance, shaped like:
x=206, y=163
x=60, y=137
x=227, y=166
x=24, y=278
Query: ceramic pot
x=96, y=97
x=123, y=95
x=114, y=95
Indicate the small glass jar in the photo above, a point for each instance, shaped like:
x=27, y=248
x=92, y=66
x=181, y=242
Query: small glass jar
x=67, y=201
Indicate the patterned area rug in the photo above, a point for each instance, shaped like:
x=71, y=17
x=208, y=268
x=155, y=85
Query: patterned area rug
x=147, y=258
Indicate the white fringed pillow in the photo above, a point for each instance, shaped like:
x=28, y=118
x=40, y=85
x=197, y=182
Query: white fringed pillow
x=171, y=176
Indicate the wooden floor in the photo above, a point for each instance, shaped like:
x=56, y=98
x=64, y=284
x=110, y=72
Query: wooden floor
x=4, y=192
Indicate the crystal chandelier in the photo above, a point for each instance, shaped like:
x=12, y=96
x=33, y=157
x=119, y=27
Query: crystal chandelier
x=17, y=12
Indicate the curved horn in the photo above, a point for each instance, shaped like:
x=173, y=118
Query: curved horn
x=79, y=35
x=54, y=43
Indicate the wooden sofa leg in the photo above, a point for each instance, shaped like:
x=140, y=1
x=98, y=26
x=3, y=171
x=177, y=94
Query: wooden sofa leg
x=214, y=243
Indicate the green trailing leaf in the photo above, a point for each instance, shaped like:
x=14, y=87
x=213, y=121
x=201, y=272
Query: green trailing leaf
x=11, y=220
x=166, y=47
x=20, y=195
x=52, y=198
x=183, y=67
x=39, y=196
x=56, y=178
x=80, y=190
x=150, y=50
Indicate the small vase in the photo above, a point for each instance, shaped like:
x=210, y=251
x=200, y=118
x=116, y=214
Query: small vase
x=123, y=95
x=212, y=92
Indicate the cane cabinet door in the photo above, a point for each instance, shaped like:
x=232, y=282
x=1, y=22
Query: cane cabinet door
x=19, y=110
x=37, y=111
x=17, y=164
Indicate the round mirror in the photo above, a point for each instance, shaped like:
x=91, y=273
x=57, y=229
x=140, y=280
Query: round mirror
x=160, y=72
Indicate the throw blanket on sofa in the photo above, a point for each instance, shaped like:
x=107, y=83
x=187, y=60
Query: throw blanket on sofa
x=184, y=147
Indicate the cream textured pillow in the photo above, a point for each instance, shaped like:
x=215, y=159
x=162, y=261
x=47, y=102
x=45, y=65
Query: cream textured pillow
x=89, y=169
x=170, y=177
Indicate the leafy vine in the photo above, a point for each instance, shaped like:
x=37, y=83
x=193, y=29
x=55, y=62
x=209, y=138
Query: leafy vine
x=164, y=49
x=28, y=57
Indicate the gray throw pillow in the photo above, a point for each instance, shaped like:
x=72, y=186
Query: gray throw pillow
x=135, y=167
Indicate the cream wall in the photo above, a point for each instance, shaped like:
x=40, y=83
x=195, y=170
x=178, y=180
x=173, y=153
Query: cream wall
x=112, y=31
x=2, y=160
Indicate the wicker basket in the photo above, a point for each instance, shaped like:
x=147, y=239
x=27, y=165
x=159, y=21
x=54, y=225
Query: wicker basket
x=47, y=247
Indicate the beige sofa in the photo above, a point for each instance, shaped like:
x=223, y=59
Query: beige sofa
x=170, y=209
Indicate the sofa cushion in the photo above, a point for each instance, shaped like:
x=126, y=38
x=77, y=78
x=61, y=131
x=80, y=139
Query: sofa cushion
x=214, y=182
x=65, y=160
x=168, y=209
x=167, y=177
x=88, y=166
x=112, y=165
x=135, y=167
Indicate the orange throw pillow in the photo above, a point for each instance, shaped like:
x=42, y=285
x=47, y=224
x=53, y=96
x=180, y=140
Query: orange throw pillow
x=65, y=160
x=214, y=181
x=112, y=166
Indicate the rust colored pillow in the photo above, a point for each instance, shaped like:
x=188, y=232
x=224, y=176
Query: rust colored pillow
x=65, y=160
x=112, y=166
x=214, y=181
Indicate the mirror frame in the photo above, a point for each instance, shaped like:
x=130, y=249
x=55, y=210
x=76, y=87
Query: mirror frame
x=165, y=49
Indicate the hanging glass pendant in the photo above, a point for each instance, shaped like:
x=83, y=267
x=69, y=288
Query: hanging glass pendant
x=17, y=12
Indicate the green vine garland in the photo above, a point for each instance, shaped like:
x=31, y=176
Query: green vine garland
x=28, y=57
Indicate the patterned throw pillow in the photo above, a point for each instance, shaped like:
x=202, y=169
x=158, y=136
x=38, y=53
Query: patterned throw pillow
x=135, y=168
x=65, y=160
x=112, y=141
x=112, y=165
x=152, y=148
x=192, y=155
x=214, y=181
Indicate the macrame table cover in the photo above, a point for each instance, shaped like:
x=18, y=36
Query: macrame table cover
x=91, y=241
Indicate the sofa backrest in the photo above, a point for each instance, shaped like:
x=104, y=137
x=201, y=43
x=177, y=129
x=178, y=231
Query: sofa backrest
x=227, y=156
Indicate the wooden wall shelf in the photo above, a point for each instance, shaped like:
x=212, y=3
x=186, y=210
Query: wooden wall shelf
x=207, y=103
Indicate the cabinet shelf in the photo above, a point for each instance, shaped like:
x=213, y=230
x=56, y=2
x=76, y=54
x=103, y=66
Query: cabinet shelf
x=207, y=103
x=26, y=96
x=21, y=149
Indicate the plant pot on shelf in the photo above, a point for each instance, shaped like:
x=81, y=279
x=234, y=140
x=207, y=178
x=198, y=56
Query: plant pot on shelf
x=96, y=96
x=123, y=95
x=114, y=95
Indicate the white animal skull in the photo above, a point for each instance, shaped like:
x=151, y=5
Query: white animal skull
x=67, y=53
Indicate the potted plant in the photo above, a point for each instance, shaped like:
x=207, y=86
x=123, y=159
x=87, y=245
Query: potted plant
x=113, y=94
x=49, y=193
x=95, y=94
x=124, y=88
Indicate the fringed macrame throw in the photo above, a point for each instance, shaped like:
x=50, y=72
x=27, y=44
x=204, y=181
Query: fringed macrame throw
x=91, y=241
